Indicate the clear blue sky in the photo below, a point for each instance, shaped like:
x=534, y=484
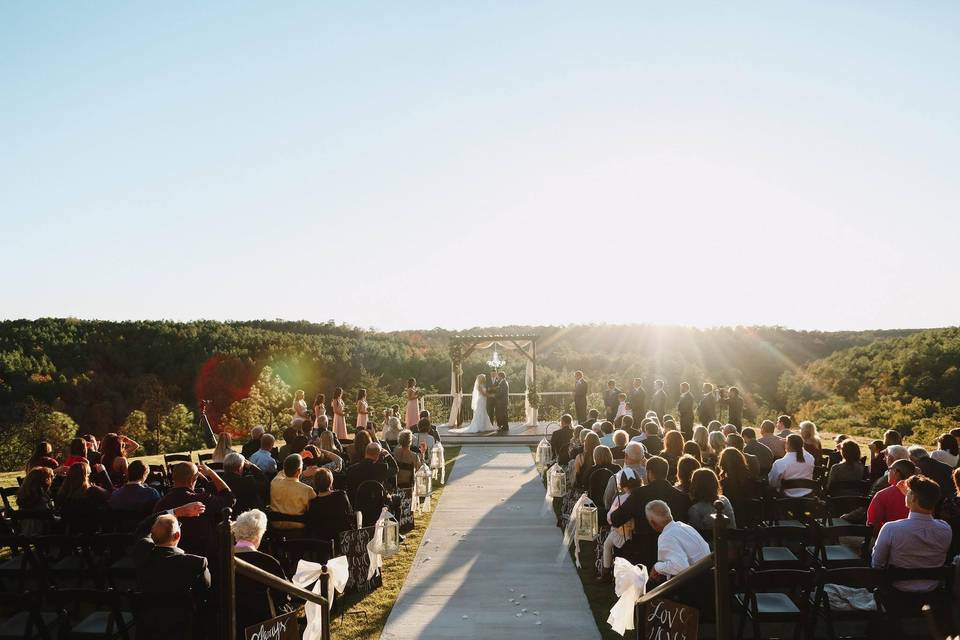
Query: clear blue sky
x=704, y=164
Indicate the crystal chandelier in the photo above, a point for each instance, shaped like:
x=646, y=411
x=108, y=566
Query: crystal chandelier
x=496, y=362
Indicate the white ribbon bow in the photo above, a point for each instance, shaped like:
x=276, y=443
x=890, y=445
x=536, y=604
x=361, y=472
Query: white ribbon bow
x=630, y=582
x=376, y=560
x=309, y=573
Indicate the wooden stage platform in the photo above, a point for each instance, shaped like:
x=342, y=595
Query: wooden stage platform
x=519, y=434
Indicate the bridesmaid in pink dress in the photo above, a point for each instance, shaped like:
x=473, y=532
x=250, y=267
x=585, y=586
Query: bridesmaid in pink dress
x=363, y=413
x=339, y=420
x=413, y=408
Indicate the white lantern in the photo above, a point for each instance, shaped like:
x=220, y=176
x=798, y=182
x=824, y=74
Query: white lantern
x=391, y=538
x=556, y=482
x=436, y=459
x=587, y=525
x=424, y=481
x=544, y=455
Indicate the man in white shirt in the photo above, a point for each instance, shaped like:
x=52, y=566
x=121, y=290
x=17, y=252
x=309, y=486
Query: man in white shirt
x=797, y=464
x=678, y=546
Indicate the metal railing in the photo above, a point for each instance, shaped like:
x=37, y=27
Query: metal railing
x=718, y=561
x=552, y=405
x=230, y=565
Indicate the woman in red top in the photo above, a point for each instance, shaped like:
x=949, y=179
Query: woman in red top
x=78, y=452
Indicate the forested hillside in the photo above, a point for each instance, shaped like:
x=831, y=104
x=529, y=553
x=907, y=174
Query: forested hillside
x=58, y=376
x=909, y=383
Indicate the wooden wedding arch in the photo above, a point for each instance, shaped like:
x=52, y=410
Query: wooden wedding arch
x=462, y=347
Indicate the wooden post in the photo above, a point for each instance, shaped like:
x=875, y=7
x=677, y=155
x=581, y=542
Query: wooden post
x=228, y=584
x=325, y=609
x=721, y=569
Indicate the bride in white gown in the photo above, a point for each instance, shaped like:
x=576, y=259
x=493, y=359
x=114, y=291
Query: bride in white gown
x=478, y=402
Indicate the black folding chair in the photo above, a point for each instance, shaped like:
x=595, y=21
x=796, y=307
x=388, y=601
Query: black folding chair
x=839, y=506
x=781, y=596
x=371, y=499
x=857, y=578
x=290, y=551
x=783, y=547
x=850, y=488
x=798, y=512
x=26, y=619
x=831, y=554
x=92, y=614
x=802, y=483
x=596, y=486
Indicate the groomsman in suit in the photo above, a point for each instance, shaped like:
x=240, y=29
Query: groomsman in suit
x=638, y=399
x=580, y=388
x=685, y=409
x=707, y=409
x=611, y=400
x=734, y=407
x=659, y=399
x=491, y=387
x=502, y=395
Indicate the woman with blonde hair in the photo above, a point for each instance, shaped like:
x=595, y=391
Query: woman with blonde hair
x=717, y=443
x=223, y=448
x=583, y=464
x=299, y=408
x=811, y=439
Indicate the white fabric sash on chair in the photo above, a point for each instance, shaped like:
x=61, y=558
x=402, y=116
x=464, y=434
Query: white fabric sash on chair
x=308, y=573
x=570, y=533
x=630, y=582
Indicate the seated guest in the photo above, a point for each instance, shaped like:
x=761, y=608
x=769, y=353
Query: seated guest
x=377, y=465
x=643, y=542
x=796, y=464
x=224, y=447
x=704, y=491
x=700, y=435
x=164, y=569
x=329, y=513
x=717, y=443
x=936, y=471
x=651, y=438
x=849, y=469
x=635, y=459
x=408, y=460
x=560, y=440
x=77, y=495
x=626, y=481
x=78, y=453
x=729, y=429
x=423, y=439
x=135, y=496
x=42, y=457
x=263, y=457
x=425, y=415
x=34, y=495
x=888, y=505
x=811, y=439
x=758, y=450
x=391, y=427
x=714, y=425
x=293, y=442
x=288, y=495
x=672, y=450
x=735, y=440
x=685, y=468
x=603, y=459
x=626, y=425
x=199, y=534
x=771, y=440
x=691, y=448
x=678, y=546
x=784, y=423
x=255, y=602
x=736, y=484
x=592, y=416
x=949, y=513
x=948, y=452
x=620, y=440
x=606, y=431
x=878, y=463
x=93, y=449
x=315, y=457
x=246, y=482
x=917, y=541
x=252, y=445
x=116, y=449
x=358, y=450
x=583, y=463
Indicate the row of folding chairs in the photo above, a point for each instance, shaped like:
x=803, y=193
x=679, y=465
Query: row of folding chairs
x=801, y=598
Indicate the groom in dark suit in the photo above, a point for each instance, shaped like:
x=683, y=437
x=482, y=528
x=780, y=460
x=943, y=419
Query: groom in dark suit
x=502, y=402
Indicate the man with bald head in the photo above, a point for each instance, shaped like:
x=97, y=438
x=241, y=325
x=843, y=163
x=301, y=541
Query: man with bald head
x=634, y=457
x=164, y=569
x=377, y=464
x=199, y=533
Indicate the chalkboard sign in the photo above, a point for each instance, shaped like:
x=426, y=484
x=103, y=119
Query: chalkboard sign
x=669, y=620
x=405, y=518
x=353, y=544
x=280, y=628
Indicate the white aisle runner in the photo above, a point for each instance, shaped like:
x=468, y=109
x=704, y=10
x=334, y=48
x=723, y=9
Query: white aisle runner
x=492, y=539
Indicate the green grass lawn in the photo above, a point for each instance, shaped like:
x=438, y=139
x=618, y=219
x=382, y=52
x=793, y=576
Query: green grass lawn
x=376, y=606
